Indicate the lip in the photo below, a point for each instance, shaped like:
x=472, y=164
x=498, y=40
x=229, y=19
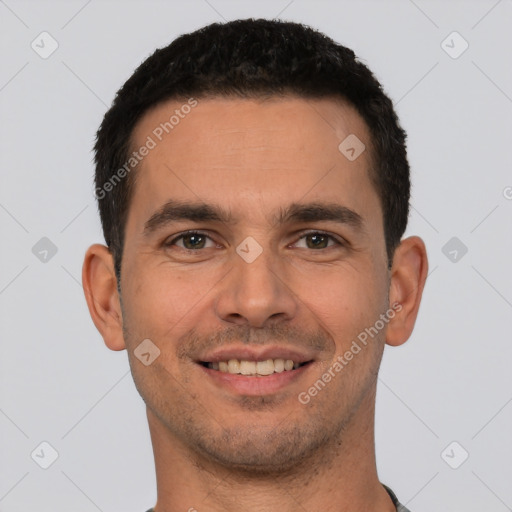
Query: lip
x=253, y=385
x=255, y=354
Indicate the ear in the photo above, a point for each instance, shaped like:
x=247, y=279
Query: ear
x=100, y=288
x=408, y=276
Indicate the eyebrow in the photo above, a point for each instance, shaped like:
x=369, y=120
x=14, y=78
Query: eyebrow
x=174, y=210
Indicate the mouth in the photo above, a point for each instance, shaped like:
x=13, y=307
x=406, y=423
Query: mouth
x=251, y=368
x=255, y=371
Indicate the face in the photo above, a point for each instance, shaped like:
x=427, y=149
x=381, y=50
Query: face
x=286, y=262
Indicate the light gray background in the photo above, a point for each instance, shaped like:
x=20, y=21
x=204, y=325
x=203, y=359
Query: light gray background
x=450, y=382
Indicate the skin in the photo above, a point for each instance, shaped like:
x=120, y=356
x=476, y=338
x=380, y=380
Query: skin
x=216, y=449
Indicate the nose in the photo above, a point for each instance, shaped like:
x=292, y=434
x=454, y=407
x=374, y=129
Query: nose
x=256, y=293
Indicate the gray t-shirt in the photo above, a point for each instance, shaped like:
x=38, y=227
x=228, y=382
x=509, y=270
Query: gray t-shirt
x=394, y=499
x=398, y=505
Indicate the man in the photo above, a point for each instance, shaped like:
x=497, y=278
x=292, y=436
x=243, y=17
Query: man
x=253, y=188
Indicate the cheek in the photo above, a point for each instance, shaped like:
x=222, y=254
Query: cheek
x=345, y=300
x=161, y=300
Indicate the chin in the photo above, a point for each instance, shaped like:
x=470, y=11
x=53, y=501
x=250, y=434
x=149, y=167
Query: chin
x=263, y=451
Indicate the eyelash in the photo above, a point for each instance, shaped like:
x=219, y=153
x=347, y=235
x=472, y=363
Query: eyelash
x=200, y=233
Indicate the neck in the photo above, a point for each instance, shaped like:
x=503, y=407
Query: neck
x=340, y=477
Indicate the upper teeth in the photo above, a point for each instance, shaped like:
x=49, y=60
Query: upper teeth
x=245, y=367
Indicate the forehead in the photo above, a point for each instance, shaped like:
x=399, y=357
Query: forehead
x=277, y=123
x=254, y=152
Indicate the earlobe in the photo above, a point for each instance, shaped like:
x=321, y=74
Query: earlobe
x=100, y=288
x=408, y=276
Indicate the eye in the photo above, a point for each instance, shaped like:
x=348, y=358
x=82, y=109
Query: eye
x=196, y=240
x=319, y=240
x=191, y=241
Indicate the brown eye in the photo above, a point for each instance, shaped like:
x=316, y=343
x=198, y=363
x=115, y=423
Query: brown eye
x=193, y=241
x=190, y=241
x=318, y=240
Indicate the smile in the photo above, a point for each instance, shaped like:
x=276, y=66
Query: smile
x=254, y=368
